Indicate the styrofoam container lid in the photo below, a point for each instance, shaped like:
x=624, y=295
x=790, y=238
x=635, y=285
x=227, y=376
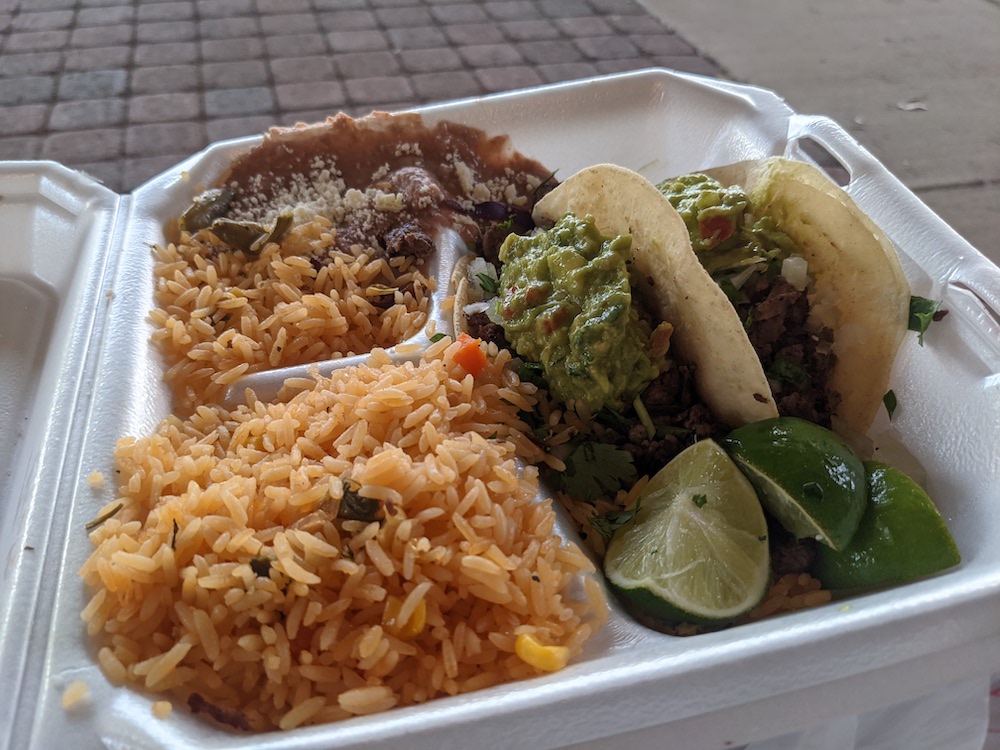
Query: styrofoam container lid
x=77, y=372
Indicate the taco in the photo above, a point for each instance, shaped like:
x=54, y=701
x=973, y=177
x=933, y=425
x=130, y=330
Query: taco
x=818, y=286
x=611, y=304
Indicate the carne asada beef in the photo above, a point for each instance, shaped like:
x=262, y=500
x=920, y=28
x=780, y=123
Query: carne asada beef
x=798, y=362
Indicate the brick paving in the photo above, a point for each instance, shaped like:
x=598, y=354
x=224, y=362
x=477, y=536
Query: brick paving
x=124, y=89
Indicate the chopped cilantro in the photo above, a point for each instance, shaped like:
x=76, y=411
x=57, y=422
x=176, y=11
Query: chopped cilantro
x=531, y=372
x=487, y=283
x=607, y=523
x=700, y=500
x=614, y=419
x=261, y=566
x=594, y=470
x=437, y=337
x=789, y=372
x=91, y=525
x=923, y=311
x=889, y=399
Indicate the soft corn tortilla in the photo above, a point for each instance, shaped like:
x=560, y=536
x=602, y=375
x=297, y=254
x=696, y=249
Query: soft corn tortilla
x=707, y=331
x=860, y=291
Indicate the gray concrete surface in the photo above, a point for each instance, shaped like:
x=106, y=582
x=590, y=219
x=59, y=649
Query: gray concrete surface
x=917, y=82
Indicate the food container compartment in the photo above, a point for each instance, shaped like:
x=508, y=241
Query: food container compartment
x=79, y=373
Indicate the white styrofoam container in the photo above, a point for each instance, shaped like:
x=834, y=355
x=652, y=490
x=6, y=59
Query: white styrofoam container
x=77, y=372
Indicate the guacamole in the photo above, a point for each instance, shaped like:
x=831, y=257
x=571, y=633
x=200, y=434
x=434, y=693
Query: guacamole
x=565, y=300
x=715, y=217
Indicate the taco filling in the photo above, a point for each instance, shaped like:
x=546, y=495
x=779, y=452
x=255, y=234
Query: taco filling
x=764, y=275
x=597, y=308
x=819, y=287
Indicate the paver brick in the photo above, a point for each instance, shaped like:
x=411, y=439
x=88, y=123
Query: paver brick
x=108, y=173
x=36, y=41
x=417, y=37
x=42, y=21
x=81, y=146
x=624, y=65
x=564, y=8
x=527, y=31
x=165, y=79
x=378, y=89
x=164, y=107
x=89, y=113
x=291, y=23
x=21, y=147
x=234, y=74
x=128, y=88
x=219, y=50
x=550, y=52
x=429, y=60
x=584, y=26
x=431, y=87
x=169, y=11
x=224, y=8
x=228, y=28
x=102, y=36
x=26, y=90
x=460, y=13
x=411, y=16
x=339, y=4
x=347, y=20
x=490, y=55
x=237, y=127
x=282, y=6
x=473, y=33
x=160, y=138
x=512, y=10
x=52, y=4
x=295, y=45
x=140, y=170
x=256, y=100
x=505, y=79
x=558, y=72
x=302, y=69
x=155, y=32
x=623, y=7
x=367, y=64
x=607, y=47
x=98, y=58
x=170, y=53
x=299, y=96
x=26, y=118
x=29, y=63
x=393, y=3
x=92, y=84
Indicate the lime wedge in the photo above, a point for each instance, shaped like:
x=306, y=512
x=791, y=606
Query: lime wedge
x=806, y=476
x=696, y=551
x=902, y=537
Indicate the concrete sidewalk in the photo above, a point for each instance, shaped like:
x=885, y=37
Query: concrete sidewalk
x=125, y=88
x=915, y=81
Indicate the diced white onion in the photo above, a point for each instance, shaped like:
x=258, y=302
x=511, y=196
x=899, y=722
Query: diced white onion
x=486, y=306
x=795, y=269
x=477, y=267
x=739, y=279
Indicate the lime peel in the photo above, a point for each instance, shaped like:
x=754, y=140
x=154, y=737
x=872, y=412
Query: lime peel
x=697, y=550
